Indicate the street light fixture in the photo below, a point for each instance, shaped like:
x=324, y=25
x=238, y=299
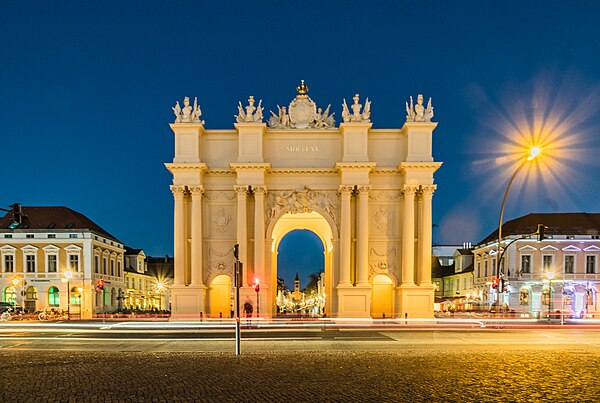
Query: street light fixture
x=257, y=289
x=549, y=276
x=160, y=287
x=533, y=153
x=68, y=275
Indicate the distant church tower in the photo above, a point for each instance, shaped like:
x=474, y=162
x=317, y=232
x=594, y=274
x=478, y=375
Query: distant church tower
x=297, y=283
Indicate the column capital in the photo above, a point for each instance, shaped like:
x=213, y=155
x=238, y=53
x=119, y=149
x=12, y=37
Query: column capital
x=178, y=191
x=428, y=190
x=196, y=190
x=259, y=190
x=364, y=188
x=345, y=189
x=241, y=190
x=410, y=190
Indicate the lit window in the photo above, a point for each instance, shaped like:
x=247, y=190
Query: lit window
x=524, y=297
x=53, y=296
x=75, y=296
x=10, y=295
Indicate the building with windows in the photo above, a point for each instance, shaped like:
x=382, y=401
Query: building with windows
x=53, y=256
x=558, y=273
x=454, y=282
x=144, y=291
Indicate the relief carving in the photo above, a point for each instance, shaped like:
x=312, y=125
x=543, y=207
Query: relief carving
x=220, y=195
x=387, y=195
x=382, y=261
x=382, y=219
x=300, y=201
x=222, y=220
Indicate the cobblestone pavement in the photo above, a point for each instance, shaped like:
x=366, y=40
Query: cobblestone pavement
x=457, y=374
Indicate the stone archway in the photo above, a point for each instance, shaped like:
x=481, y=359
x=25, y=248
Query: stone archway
x=323, y=228
x=220, y=297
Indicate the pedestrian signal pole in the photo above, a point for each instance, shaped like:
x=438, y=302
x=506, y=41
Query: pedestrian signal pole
x=237, y=270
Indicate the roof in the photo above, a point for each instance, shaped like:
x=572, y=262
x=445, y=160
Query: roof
x=557, y=223
x=54, y=218
x=438, y=270
x=132, y=251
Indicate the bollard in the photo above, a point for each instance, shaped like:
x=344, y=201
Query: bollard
x=406, y=318
x=201, y=316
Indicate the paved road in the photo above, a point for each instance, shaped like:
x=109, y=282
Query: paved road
x=347, y=365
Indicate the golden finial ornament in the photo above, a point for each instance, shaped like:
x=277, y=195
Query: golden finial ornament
x=302, y=88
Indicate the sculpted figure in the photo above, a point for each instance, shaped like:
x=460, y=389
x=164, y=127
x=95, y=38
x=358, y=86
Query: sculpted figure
x=366, y=115
x=253, y=114
x=356, y=109
x=345, y=112
x=281, y=120
x=418, y=112
x=187, y=114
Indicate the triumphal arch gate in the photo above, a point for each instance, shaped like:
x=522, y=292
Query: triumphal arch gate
x=366, y=193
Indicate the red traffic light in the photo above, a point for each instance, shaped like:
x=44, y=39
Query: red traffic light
x=100, y=284
x=256, y=285
x=494, y=282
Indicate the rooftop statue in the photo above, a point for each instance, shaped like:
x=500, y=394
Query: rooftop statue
x=253, y=114
x=302, y=113
x=188, y=114
x=419, y=113
x=356, y=115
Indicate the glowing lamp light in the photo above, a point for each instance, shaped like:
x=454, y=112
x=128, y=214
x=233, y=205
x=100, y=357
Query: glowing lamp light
x=159, y=286
x=68, y=274
x=534, y=152
x=550, y=275
x=15, y=281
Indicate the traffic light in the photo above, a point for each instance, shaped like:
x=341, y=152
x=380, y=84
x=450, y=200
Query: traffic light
x=541, y=232
x=100, y=285
x=256, y=285
x=236, y=251
x=494, y=282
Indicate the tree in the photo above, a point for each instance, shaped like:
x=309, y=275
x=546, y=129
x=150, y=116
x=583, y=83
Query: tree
x=313, y=280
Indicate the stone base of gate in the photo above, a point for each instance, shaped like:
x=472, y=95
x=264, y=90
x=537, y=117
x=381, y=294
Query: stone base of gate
x=414, y=301
x=187, y=302
x=353, y=301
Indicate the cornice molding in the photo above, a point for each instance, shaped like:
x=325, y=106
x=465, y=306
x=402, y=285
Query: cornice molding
x=431, y=165
x=185, y=166
x=355, y=166
x=252, y=166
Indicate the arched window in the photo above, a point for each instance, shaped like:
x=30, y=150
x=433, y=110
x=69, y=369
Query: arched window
x=524, y=297
x=113, y=297
x=53, y=296
x=10, y=295
x=106, y=297
x=75, y=296
x=31, y=293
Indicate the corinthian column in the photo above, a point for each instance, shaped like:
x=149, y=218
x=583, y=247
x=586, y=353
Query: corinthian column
x=259, y=231
x=424, y=273
x=178, y=236
x=196, y=245
x=363, y=235
x=242, y=230
x=408, y=236
x=345, y=225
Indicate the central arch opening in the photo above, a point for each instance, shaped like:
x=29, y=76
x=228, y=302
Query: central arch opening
x=302, y=243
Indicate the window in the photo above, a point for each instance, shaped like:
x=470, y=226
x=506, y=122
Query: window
x=10, y=295
x=72, y=235
x=569, y=264
x=29, y=236
x=524, y=297
x=485, y=268
x=119, y=270
x=31, y=293
x=7, y=235
x=96, y=264
x=53, y=296
x=547, y=263
x=595, y=236
x=112, y=267
x=478, y=269
x=9, y=263
x=104, y=265
x=30, y=263
x=526, y=264
x=493, y=266
x=590, y=264
x=570, y=237
x=74, y=263
x=51, y=235
x=75, y=296
x=546, y=296
x=52, y=263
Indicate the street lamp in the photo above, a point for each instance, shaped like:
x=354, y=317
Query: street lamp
x=550, y=276
x=159, y=287
x=15, y=282
x=68, y=275
x=80, y=291
x=533, y=153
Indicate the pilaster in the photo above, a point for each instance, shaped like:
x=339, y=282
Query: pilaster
x=242, y=229
x=363, y=235
x=197, y=274
x=345, y=226
x=178, y=235
x=425, y=221
x=259, y=233
x=408, y=235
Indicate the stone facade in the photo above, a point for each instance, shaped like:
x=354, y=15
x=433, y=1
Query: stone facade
x=365, y=192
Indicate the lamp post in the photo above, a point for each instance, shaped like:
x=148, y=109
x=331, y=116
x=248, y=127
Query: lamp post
x=159, y=287
x=68, y=275
x=550, y=276
x=533, y=153
x=15, y=283
x=80, y=291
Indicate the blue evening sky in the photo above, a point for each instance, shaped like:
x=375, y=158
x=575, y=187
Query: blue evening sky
x=86, y=90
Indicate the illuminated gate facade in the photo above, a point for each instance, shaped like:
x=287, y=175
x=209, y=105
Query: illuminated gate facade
x=365, y=192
